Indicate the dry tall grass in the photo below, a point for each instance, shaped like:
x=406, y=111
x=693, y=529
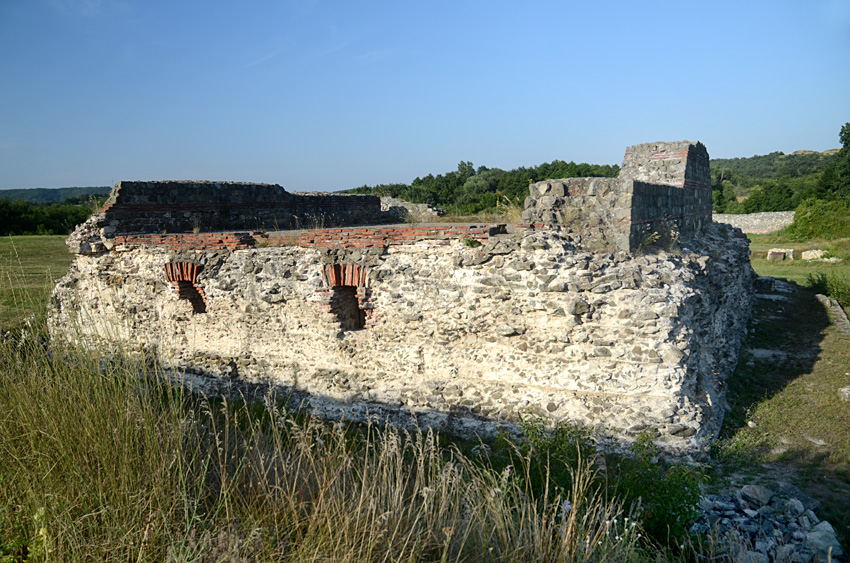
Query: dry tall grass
x=104, y=460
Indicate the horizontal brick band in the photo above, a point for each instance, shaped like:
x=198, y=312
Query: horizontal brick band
x=355, y=237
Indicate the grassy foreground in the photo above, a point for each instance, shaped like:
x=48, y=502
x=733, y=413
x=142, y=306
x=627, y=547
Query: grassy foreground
x=105, y=459
x=100, y=465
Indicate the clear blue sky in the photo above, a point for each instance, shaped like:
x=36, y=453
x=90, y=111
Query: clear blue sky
x=326, y=95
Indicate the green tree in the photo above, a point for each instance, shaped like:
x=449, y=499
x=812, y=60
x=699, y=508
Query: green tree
x=835, y=182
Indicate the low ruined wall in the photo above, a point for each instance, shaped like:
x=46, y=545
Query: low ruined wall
x=154, y=207
x=463, y=338
x=663, y=191
x=200, y=207
x=764, y=222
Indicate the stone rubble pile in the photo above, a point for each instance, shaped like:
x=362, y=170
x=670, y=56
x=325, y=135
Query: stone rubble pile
x=401, y=210
x=764, y=525
x=93, y=236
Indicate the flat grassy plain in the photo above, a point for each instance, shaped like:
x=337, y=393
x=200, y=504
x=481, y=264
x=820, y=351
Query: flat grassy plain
x=797, y=270
x=28, y=266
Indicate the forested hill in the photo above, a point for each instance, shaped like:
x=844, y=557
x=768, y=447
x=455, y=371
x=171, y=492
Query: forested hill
x=49, y=195
x=777, y=164
x=771, y=182
x=469, y=190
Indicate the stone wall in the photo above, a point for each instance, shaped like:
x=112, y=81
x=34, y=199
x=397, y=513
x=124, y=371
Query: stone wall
x=187, y=207
x=765, y=222
x=153, y=207
x=663, y=191
x=383, y=236
x=466, y=339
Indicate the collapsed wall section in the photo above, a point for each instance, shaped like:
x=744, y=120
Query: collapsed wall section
x=464, y=339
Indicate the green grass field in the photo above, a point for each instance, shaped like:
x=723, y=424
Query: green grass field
x=797, y=270
x=28, y=267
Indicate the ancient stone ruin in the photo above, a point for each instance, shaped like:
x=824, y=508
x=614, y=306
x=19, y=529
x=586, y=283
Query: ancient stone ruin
x=617, y=304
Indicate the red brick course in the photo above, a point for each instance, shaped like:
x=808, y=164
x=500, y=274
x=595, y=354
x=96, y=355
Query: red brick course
x=353, y=237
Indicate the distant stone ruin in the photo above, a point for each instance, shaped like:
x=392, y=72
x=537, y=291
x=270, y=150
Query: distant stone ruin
x=617, y=304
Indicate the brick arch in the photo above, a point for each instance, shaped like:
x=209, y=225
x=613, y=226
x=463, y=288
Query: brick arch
x=346, y=296
x=337, y=275
x=184, y=277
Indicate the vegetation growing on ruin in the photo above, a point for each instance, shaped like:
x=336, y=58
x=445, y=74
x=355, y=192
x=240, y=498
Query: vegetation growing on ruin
x=786, y=421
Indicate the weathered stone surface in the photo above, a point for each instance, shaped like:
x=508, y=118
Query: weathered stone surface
x=757, y=495
x=400, y=210
x=821, y=540
x=651, y=338
x=464, y=327
x=169, y=207
x=812, y=254
x=764, y=222
x=778, y=254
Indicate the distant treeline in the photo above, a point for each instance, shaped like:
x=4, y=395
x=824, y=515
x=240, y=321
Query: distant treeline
x=48, y=195
x=47, y=211
x=470, y=190
x=23, y=218
x=776, y=181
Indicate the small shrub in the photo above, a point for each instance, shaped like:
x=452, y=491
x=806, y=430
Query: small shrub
x=820, y=219
x=662, y=496
x=664, y=237
x=832, y=285
x=471, y=242
x=667, y=493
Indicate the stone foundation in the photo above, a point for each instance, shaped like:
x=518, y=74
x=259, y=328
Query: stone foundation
x=466, y=339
